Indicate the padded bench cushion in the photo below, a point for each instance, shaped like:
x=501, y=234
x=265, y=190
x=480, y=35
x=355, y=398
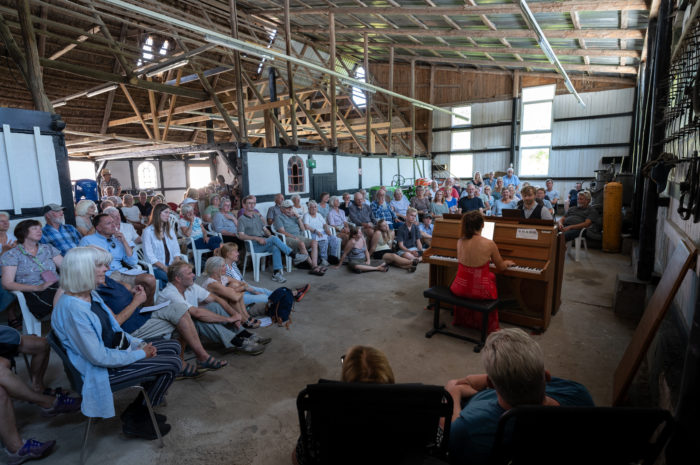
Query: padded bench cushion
x=443, y=294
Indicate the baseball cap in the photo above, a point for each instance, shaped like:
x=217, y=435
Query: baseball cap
x=106, y=171
x=188, y=200
x=287, y=204
x=53, y=207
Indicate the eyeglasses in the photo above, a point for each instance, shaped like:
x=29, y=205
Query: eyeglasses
x=111, y=243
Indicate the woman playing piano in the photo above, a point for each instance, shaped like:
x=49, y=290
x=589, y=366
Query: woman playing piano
x=474, y=279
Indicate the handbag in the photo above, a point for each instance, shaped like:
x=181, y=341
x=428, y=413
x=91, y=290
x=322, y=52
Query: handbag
x=48, y=276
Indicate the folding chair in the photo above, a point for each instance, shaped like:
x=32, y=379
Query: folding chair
x=198, y=253
x=581, y=435
x=30, y=324
x=581, y=239
x=257, y=259
x=76, y=382
x=352, y=423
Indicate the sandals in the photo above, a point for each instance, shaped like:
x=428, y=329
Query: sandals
x=318, y=271
x=415, y=262
x=189, y=371
x=251, y=323
x=211, y=364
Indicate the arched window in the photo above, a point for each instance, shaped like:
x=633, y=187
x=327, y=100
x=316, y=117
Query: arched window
x=147, y=175
x=295, y=173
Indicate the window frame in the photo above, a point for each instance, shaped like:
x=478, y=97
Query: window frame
x=521, y=148
x=296, y=183
x=141, y=166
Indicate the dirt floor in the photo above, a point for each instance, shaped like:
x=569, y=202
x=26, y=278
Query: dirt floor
x=246, y=413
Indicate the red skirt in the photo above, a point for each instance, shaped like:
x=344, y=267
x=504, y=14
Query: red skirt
x=475, y=283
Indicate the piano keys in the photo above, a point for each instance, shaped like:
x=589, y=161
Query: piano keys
x=530, y=292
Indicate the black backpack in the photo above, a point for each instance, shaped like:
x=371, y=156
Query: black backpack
x=280, y=305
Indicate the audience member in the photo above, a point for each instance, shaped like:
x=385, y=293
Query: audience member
x=127, y=229
x=51, y=402
x=365, y=197
x=225, y=223
x=191, y=226
x=103, y=353
x=515, y=376
x=573, y=197
x=448, y=187
x=497, y=191
x=511, y=179
x=505, y=202
x=583, y=215
x=471, y=202
x=551, y=194
x=31, y=268
x=433, y=189
x=292, y=228
x=490, y=179
x=156, y=200
x=338, y=220
x=540, y=195
x=85, y=210
x=399, y=205
x=104, y=204
x=7, y=301
x=531, y=207
x=420, y=202
x=487, y=198
x=144, y=206
x=323, y=206
x=345, y=204
x=408, y=237
x=361, y=215
x=438, y=207
x=328, y=244
x=381, y=210
x=474, y=279
x=381, y=248
x=450, y=201
x=426, y=230
x=160, y=246
x=514, y=193
x=55, y=232
x=253, y=295
x=299, y=209
x=220, y=324
x=212, y=209
x=132, y=213
x=358, y=258
x=251, y=227
x=109, y=181
x=476, y=180
x=275, y=210
x=222, y=188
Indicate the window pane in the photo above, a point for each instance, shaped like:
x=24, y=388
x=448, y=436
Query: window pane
x=358, y=95
x=147, y=176
x=534, y=162
x=532, y=94
x=461, y=165
x=537, y=117
x=81, y=170
x=463, y=111
x=461, y=140
x=543, y=139
x=200, y=176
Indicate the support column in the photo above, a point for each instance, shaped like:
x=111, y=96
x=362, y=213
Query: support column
x=334, y=103
x=242, y=126
x=290, y=79
x=368, y=102
x=391, y=100
x=31, y=52
x=413, y=108
x=514, y=118
x=431, y=99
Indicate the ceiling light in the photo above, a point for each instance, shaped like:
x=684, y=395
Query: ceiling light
x=59, y=103
x=101, y=90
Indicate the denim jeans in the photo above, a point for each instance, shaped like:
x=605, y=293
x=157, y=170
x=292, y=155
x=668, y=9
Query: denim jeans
x=259, y=298
x=276, y=247
x=213, y=243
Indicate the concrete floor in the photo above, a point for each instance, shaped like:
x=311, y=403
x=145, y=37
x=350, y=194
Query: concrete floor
x=246, y=413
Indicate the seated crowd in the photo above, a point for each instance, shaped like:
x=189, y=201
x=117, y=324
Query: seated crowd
x=87, y=277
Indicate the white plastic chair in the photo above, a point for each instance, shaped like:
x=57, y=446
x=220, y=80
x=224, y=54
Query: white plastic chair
x=140, y=255
x=255, y=258
x=30, y=324
x=577, y=246
x=283, y=238
x=198, y=253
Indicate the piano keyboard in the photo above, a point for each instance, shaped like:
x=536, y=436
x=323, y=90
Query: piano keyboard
x=521, y=269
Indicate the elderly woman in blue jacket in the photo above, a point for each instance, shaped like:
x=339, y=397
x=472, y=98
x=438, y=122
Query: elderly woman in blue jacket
x=102, y=352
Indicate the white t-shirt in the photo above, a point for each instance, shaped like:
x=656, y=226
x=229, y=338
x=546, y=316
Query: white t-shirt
x=129, y=232
x=132, y=213
x=194, y=295
x=316, y=223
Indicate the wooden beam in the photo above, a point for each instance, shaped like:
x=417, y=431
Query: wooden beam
x=136, y=110
x=413, y=108
x=152, y=103
x=239, y=81
x=290, y=76
x=334, y=103
x=390, y=99
x=110, y=95
x=31, y=53
x=173, y=99
x=368, y=100
x=70, y=47
x=431, y=99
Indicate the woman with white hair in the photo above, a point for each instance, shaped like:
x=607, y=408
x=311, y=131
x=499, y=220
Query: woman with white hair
x=191, y=226
x=85, y=210
x=338, y=220
x=316, y=224
x=299, y=209
x=216, y=281
x=102, y=352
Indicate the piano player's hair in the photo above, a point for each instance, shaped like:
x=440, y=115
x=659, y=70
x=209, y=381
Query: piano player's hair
x=472, y=223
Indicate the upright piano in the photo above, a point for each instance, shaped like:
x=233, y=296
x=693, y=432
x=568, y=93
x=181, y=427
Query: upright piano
x=530, y=292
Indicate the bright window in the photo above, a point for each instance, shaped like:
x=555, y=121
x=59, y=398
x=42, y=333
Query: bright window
x=358, y=95
x=461, y=140
x=81, y=170
x=534, y=94
x=465, y=112
x=200, y=176
x=147, y=176
x=534, y=161
x=537, y=116
x=461, y=166
x=536, y=130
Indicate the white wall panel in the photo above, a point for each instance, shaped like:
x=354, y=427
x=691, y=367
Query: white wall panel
x=174, y=174
x=390, y=167
x=370, y=172
x=595, y=131
x=348, y=176
x=492, y=161
x=120, y=170
x=324, y=164
x=263, y=173
x=406, y=168
x=580, y=163
x=489, y=138
x=597, y=103
x=442, y=139
x=492, y=112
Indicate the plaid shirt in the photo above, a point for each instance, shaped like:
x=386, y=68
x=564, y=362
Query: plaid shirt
x=383, y=212
x=64, y=239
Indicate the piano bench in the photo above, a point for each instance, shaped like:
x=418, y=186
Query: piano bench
x=443, y=294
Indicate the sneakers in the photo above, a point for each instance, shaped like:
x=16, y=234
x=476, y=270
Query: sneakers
x=301, y=292
x=246, y=345
x=277, y=277
x=62, y=404
x=300, y=258
x=259, y=339
x=324, y=262
x=31, y=450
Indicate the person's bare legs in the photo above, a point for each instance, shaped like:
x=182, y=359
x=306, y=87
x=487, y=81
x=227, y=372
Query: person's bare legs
x=39, y=349
x=401, y=262
x=8, y=428
x=412, y=256
x=16, y=389
x=366, y=268
x=314, y=253
x=189, y=333
x=149, y=283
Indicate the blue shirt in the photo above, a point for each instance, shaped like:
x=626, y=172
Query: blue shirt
x=498, y=206
x=428, y=230
x=467, y=204
x=507, y=181
x=80, y=333
x=473, y=432
x=64, y=238
x=383, y=212
x=117, y=298
x=113, y=246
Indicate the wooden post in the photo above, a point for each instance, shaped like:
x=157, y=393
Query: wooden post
x=413, y=108
x=31, y=52
x=290, y=78
x=368, y=104
x=334, y=104
x=390, y=112
x=431, y=99
x=242, y=126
